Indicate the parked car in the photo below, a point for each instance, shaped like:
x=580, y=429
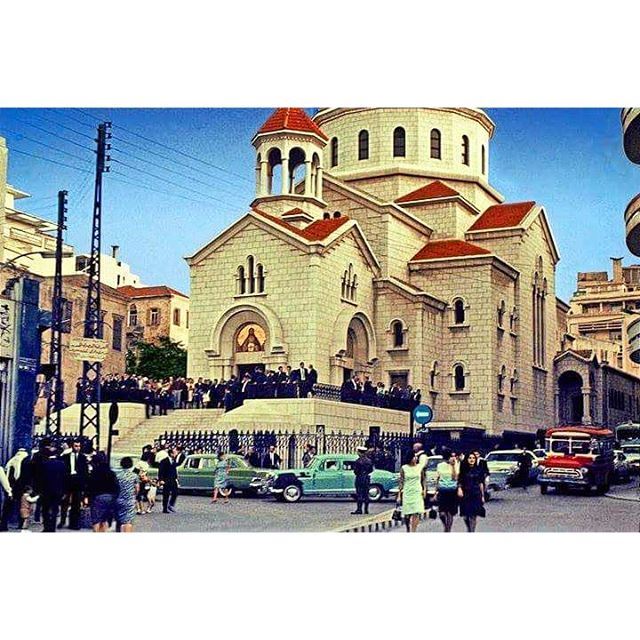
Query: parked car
x=327, y=475
x=196, y=473
x=621, y=467
x=540, y=454
x=632, y=452
x=503, y=465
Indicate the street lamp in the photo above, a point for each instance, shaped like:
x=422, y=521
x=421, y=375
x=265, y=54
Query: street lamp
x=47, y=255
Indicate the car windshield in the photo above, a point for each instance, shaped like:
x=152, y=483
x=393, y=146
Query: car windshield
x=570, y=445
x=503, y=457
x=631, y=448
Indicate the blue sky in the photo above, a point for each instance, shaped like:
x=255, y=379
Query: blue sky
x=569, y=160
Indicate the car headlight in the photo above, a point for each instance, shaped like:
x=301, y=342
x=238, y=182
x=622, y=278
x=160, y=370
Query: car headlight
x=584, y=470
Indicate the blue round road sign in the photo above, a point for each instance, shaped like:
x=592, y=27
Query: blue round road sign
x=423, y=414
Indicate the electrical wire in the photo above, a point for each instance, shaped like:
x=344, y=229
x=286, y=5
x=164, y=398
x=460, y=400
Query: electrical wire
x=177, y=173
x=64, y=112
x=62, y=164
x=56, y=135
x=44, y=144
x=64, y=126
x=176, y=184
x=182, y=153
x=139, y=185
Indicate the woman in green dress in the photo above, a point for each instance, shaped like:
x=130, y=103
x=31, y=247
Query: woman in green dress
x=221, y=479
x=412, y=490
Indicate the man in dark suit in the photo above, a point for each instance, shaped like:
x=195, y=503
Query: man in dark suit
x=253, y=458
x=76, y=475
x=181, y=456
x=271, y=459
x=168, y=480
x=312, y=379
x=53, y=475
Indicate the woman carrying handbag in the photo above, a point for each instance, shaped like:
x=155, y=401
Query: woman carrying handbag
x=412, y=491
x=471, y=492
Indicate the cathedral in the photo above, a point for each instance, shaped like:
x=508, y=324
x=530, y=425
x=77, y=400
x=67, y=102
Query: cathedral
x=377, y=246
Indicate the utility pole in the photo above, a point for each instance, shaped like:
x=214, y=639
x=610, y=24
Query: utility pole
x=55, y=398
x=93, y=324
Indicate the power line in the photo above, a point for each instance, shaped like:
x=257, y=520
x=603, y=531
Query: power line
x=157, y=177
x=56, y=135
x=64, y=126
x=183, y=164
x=182, y=153
x=152, y=189
x=178, y=173
x=64, y=112
x=44, y=144
x=62, y=164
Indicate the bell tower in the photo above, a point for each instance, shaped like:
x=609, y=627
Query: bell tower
x=289, y=149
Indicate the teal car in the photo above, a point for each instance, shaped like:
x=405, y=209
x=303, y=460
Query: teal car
x=327, y=475
x=197, y=471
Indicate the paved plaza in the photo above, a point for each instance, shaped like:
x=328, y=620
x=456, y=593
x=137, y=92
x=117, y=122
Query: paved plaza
x=513, y=510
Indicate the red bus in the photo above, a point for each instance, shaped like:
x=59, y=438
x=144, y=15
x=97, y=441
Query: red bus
x=577, y=457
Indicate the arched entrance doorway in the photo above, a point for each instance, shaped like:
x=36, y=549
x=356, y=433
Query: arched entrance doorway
x=570, y=398
x=356, y=357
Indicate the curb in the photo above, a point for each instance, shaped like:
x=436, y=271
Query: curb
x=380, y=522
x=614, y=496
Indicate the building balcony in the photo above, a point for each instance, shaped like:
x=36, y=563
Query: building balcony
x=632, y=223
x=631, y=132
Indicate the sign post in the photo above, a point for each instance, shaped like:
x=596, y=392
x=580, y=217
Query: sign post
x=422, y=415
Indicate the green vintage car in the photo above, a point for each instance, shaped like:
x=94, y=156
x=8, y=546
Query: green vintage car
x=196, y=473
x=327, y=475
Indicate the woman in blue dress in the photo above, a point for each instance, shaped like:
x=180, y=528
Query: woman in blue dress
x=221, y=479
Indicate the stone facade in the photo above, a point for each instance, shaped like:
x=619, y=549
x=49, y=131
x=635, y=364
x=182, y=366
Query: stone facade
x=417, y=263
x=114, y=309
x=155, y=312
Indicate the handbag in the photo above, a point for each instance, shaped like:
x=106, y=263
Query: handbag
x=482, y=512
x=433, y=514
x=397, y=514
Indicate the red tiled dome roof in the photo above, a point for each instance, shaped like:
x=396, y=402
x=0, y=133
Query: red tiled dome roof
x=430, y=191
x=502, y=216
x=438, y=249
x=291, y=119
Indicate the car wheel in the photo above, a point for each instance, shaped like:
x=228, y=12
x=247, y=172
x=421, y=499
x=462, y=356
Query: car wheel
x=376, y=493
x=543, y=489
x=292, y=493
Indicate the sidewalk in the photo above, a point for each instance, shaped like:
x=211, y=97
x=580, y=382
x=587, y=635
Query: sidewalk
x=629, y=492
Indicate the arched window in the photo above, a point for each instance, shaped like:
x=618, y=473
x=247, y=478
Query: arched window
x=501, y=311
x=251, y=288
x=484, y=160
x=334, y=152
x=274, y=172
x=514, y=382
x=260, y=278
x=398, y=333
x=399, y=143
x=133, y=316
x=436, y=144
x=458, y=311
x=433, y=375
x=465, y=150
x=458, y=378
x=349, y=284
x=242, y=283
x=363, y=145
x=501, y=377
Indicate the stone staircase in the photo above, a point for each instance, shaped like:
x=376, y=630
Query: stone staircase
x=132, y=441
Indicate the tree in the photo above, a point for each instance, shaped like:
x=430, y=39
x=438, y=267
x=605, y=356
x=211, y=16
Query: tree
x=160, y=359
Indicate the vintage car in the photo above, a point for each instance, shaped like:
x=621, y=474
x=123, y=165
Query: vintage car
x=327, y=475
x=631, y=450
x=503, y=465
x=621, y=467
x=196, y=473
x=578, y=457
